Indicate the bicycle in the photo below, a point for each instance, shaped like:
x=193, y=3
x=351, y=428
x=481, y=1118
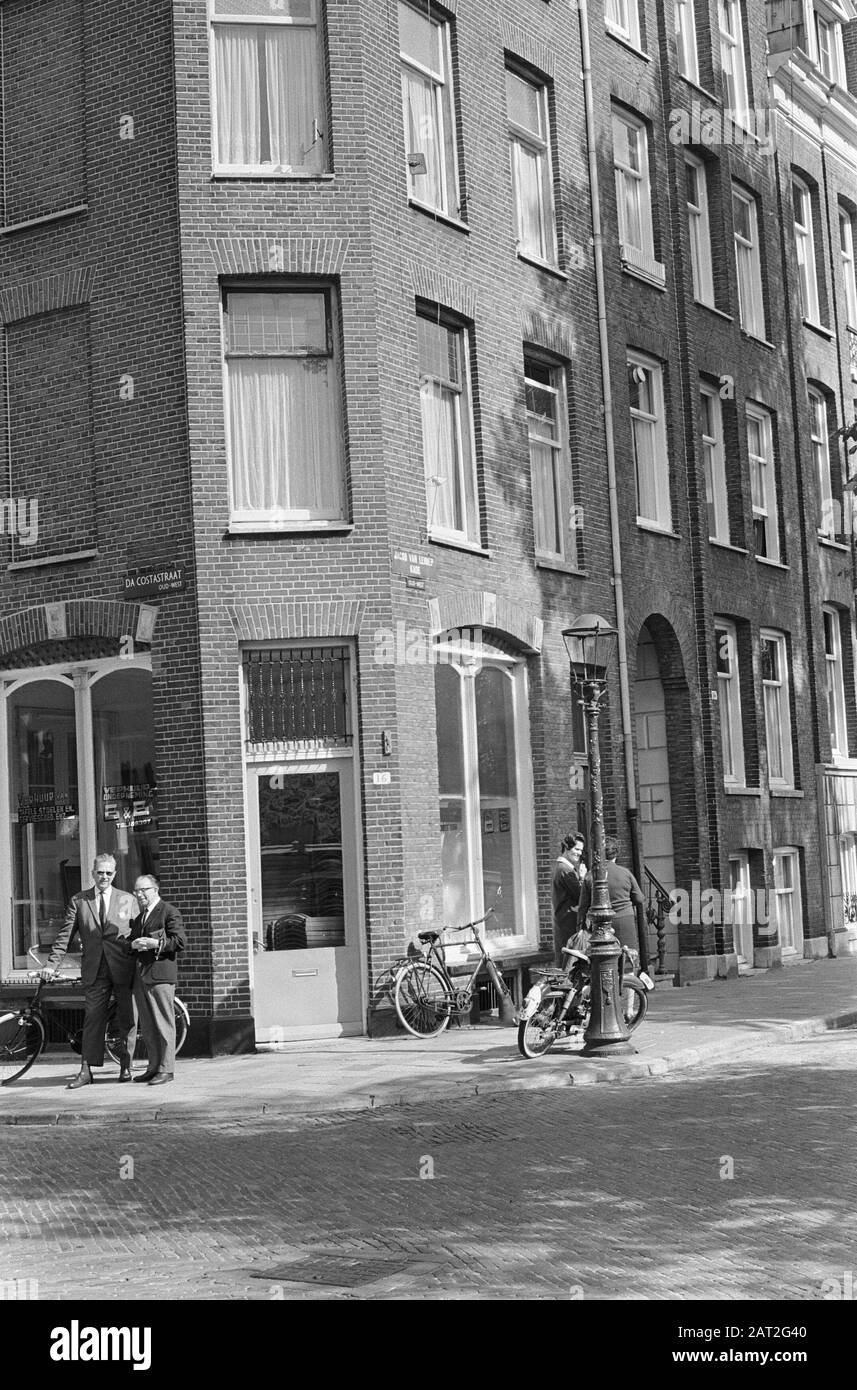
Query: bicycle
x=426, y=996
x=22, y=1033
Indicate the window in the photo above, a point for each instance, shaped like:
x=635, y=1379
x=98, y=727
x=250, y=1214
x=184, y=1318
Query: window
x=429, y=110
x=634, y=193
x=550, y=465
x=286, y=439
x=532, y=177
x=778, y=726
x=448, y=448
x=729, y=703
x=485, y=786
x=751, y=309
x=685, y=39
x=835, y=683
x=732, y=61
x=741, y=901
x=648, y=428
x=846, y=248
x=623, y=17
x=714, y=463
x=267, y=103
x=700, y=230
x=788, y=914
x=820, y=445
x=828, y=35
x=805, y=245
x=763, y=487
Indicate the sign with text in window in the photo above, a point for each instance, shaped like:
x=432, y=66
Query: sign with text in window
x=34, y=807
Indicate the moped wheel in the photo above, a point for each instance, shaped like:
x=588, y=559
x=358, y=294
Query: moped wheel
x=635, y=1002
x=422, y=1000
x=536, y=1035
x=21, y=1044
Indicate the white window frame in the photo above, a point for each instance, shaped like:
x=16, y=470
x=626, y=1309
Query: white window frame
x=558, y=443
x=268, y=17
x=635, y=185
x=733, y=62
x=622, y=17
x=699, y=225
x=685, y=35
x=748, y=266
x=461, y=396
x=443, y=93
x=802, y=198
x=656, y=426
x=537, y=144
x=729, y=702
x=763, y=482
x=819, y=435
x=776, y=694
x=788, y=894
x=714, y=463
x=849, y=266
x=742, y=903
x=294, y=518
x=834, y=673
x=829, y=50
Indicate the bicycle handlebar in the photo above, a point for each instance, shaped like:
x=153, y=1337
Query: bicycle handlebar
x=465, y=926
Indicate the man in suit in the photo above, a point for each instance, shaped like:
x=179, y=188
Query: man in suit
x=101, y=916
x=157, y=937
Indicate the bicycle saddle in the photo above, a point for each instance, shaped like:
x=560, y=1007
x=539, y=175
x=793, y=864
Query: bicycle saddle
x=428, y=935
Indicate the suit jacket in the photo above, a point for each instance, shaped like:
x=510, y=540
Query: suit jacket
x=111, y=941
x=165, y=922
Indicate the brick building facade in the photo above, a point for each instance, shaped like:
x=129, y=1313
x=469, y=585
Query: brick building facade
x=318, y=390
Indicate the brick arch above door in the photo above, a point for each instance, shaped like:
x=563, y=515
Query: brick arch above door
x=466, y=608
x=64, y=627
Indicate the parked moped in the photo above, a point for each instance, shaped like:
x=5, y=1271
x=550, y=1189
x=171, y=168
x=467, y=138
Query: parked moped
x=558, y=1005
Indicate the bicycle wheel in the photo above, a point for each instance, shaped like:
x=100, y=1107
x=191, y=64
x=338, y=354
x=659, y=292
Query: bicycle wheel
x=537, y=1035
x=422, y=999
x=635, y=1003
x=21, y=1043
x=182, y=1024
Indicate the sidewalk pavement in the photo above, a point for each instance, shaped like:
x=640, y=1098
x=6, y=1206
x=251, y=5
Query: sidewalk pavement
x=684, y=1027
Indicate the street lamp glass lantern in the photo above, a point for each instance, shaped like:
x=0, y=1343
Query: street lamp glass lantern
x=590, y=643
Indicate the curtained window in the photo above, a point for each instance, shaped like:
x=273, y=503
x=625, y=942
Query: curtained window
x=447, y=427
x=649, y=434
x=268, y=103
x=532, y=176
x=428, y=109
x=550, y=465
x=286, y=446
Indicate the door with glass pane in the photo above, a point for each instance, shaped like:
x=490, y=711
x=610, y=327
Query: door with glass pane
x=742, y=908
x=304, y=891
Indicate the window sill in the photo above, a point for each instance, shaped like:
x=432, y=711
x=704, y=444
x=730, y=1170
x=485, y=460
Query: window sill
x=288, y=528
x=727, y=545
x=549, y=267
x=279, y=175
x=820, y=329
x=754, y=338
x=45, y=218
x=453, y=543
x=53, y=560
x=437, y=216
x=627, y=42
x=787, y=792
x=772, y=564
x=830, y=544
x=643, y=267
x=561, y=566
x=712, y=309
x=643, y=524
x=692, y=82
x=742, y=791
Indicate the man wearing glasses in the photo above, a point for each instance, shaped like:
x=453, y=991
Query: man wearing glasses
x=102, y=917
x=157, y=937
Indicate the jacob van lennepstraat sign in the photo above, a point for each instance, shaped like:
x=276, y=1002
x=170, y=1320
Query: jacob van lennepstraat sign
x=149, y=583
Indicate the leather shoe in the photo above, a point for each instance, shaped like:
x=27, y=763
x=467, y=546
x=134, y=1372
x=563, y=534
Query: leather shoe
x=160, y=1077
x=146, y=1076
x=83, y=1078
x=126, y=1074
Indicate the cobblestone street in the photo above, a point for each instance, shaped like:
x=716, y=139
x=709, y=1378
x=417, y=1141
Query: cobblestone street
x=617, y=1192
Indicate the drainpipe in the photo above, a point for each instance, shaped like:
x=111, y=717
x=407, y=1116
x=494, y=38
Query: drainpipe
x=607, y=395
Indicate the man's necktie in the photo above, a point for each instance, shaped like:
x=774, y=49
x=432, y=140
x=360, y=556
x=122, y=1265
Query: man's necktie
x=102, y=911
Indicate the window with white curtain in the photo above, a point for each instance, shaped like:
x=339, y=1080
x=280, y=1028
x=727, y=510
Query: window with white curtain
x=748, y=261
x=714, y=463
x=700, y=230
x=633, y=186
x=835, y=682
x=778, y=723
x=268, y=103
x=685, y=39
x=550, y=464
x=846, y=249
x=623, y=16
x=532, y=175
x=763, y=483
x=286, y=437
x=732, y=60
x=805, y=246
x=447, y=421
x=649, y=434
x=820, y=446
x=729, y=702
x=428, y=108
x=788, y=912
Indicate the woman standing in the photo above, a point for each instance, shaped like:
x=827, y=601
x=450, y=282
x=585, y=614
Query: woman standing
x=568, y=876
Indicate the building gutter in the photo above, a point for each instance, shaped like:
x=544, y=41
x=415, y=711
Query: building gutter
x=582, y=8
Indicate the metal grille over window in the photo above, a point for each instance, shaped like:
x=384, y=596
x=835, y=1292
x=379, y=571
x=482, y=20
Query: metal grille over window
x=298, y=696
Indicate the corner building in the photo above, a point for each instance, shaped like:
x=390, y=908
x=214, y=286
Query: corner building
x=303, y=391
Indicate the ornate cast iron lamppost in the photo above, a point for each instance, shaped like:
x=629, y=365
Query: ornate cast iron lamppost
x=590, y=643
